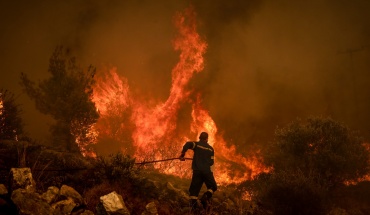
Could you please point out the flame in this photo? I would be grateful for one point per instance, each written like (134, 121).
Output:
(231, 167)
(113, 101)
(154, 130)
(111, 94)
(157, 125)
(1, 105)
(85, 140)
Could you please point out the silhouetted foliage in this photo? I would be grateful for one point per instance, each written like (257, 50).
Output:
(320, 146)
(311, 159)
(67, 96)
(355, 198)
(11, 125)
(289, 193)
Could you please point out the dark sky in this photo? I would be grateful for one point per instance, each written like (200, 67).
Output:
(268, 62)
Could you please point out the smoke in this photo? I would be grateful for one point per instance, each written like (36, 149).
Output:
(288, 59)
(268, 62)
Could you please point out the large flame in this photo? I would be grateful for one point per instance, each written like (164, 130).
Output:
(156, 125)
(154, 130)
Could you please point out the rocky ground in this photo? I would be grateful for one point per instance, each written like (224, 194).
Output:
(39, 180)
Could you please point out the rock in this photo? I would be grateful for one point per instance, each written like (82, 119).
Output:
(87, 212)
(21, 178)
(114, 204)
(67, 192)
(29, 203)
(3, 190)
(51, 194)
(150, 209)
(64, 207)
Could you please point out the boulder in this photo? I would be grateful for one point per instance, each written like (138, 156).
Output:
(67, 192)
(3, 190)
(63, 207)
(51, 194)
(29, 203)
(150, 209)
(113, 204)
(21, 178)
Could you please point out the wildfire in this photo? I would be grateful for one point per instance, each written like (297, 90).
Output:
(154, 130)
(85, 140)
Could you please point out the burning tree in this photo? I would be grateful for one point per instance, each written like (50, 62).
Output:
(11, 125)
(66, 96)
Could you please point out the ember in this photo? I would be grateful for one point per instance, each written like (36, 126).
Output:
(154, 130)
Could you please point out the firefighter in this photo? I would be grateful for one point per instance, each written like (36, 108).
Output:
(202, 166)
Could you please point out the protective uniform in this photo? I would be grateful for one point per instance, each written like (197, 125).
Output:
(202, 164)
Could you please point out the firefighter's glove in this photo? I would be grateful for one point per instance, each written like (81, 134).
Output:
(182, 157)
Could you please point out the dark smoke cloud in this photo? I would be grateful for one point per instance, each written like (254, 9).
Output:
(268, 62)
(280, 60)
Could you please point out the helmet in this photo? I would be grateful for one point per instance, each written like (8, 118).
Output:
(203, 135)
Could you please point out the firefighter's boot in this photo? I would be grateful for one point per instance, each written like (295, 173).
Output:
(206, 200)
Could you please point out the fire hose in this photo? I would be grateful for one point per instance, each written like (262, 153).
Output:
(156, 161)
(78, 169)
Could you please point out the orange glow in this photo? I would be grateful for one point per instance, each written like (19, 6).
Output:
(231, 167)
(84, 141)
(154, 130)
(154, 125)
(366, 177)
(111, 94)
(1, 105)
